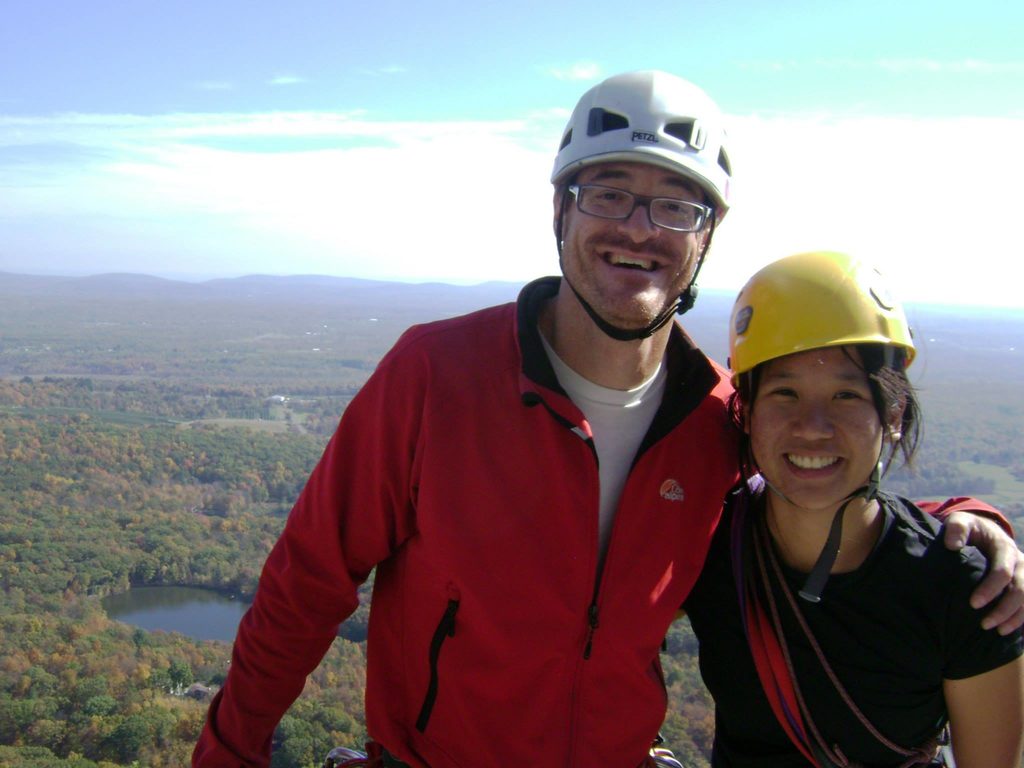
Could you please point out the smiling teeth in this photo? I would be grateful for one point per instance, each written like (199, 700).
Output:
(626, 261)
(812, 462)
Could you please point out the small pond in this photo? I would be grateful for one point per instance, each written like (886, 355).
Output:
(203, 614)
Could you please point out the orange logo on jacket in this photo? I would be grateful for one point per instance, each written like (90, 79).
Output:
(672, 491)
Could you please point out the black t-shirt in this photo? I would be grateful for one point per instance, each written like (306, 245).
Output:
(892, 631)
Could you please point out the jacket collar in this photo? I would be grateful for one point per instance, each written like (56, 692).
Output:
(691, 376)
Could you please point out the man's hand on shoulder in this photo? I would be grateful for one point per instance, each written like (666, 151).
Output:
(1005, 577)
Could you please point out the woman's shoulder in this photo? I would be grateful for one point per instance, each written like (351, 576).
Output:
(914, 535)
(907, 514)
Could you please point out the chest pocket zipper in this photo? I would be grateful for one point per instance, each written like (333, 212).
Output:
(445, 629)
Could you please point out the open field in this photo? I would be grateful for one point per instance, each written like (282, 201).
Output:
(1009, 490)
(112, 417)
(259, 425)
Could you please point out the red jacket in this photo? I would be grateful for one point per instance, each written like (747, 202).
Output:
(468, 478)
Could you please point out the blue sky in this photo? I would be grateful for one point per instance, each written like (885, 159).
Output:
(413, 141)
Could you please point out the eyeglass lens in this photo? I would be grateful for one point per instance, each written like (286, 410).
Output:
(611, 203)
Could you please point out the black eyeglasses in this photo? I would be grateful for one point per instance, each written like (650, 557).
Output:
(667, 212)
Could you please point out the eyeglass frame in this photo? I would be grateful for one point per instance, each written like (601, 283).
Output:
(642, 200)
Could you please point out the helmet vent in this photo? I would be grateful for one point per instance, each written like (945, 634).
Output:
(690, 132)
(681, 131)
(723, 162)
(601, 120)
(566, 140)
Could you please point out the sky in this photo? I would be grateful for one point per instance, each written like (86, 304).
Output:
(414, 141)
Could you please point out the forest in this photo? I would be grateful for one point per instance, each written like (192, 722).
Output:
(101, 504)
(161, 438)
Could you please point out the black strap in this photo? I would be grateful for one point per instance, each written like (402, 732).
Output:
(811, 591)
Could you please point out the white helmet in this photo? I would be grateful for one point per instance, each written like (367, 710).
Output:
(649, 117)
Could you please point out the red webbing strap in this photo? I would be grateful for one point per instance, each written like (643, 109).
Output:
(769, 660)
(775, 680)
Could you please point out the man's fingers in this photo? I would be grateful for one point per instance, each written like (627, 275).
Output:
(1008, 614)
(1004, 579)
(955, 536)
(1001, 569)
(1014, 622)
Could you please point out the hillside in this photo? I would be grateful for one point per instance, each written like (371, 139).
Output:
(156, 432)
(320, 337)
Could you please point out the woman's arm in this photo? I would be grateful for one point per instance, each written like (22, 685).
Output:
(986, 716)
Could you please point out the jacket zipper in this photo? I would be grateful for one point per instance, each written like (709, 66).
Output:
(445, 629)
(593, 617)
(592, 611)
(593, 623)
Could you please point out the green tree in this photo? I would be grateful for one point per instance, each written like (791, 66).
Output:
(180, 675)
(130, 735)
(100, 705)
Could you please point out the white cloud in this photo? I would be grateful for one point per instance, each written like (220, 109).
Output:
(767, 65)
(153, 130)
(582, 70)
(460, 201)
(286, 80)
(890, 64)
(933, 202)
(961, 66)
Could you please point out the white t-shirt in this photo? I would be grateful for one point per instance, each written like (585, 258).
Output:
(618, 419)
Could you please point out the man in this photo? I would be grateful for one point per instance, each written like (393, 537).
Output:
(536, 483)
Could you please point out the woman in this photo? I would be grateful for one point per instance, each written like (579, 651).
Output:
(822, 586)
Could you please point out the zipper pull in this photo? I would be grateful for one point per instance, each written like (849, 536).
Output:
(593, 624)
(448, 622)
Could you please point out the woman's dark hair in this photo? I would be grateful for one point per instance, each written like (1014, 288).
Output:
(891, 390)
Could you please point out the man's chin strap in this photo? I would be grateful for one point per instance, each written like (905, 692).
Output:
(681, 305)
(816, 579)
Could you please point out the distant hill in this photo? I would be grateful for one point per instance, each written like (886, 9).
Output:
(70, 299)
(309, 333)
(953, 341)
(272, 289)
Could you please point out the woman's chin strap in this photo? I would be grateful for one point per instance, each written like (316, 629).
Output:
(815, 584)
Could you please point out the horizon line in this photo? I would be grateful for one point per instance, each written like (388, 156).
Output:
(196, 279)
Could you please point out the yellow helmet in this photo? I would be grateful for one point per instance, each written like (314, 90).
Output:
(809, 301)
